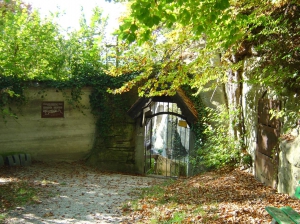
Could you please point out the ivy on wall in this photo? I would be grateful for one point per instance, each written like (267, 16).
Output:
(11, 92)
(214, 147)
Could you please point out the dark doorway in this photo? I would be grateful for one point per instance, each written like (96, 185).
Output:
(267, 151)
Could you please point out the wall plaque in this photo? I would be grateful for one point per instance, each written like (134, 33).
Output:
(52, 109)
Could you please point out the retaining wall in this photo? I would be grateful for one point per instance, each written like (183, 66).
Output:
(66, 138)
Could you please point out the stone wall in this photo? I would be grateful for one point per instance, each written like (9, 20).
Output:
(250, 97)
(289, 156)
(47, 139)
(116, 148)
(289, 166)
(289, 160)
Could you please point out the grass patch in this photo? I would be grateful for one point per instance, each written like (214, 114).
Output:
(16, 194)
(178, 217)
(193, 200)
(157, 190)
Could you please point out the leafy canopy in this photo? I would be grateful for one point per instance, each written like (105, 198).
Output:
(172, 43)
(37, 49)
(33, 48)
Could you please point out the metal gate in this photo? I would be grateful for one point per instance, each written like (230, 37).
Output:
(267, 151)
(167, 141)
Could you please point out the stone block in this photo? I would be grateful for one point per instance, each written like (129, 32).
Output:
(25, 159)
(13, 160)
(116, 156)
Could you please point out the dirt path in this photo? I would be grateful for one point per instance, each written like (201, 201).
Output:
(74, 193)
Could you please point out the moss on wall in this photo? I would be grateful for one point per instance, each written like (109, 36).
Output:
(114, 146)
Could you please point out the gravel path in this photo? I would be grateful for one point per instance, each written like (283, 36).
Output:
(74, 193)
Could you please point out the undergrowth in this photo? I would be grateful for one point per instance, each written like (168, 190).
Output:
(15, 194)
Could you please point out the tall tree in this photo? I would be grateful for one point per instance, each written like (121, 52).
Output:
(185, 42)
(37, 49)
(201, 29)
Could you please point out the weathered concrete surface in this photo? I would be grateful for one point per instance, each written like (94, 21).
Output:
(289, 166)
(214, 98)
(250, 97)
(139, 149)
(116, 150)
(289, 159)
(60, 139)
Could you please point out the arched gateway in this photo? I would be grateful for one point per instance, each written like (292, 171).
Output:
(164, 134)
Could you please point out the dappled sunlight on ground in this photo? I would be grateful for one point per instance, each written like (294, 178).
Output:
(224, 196)
(74, 193)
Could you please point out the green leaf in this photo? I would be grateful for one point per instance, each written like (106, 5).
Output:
(186, 17)
(199, 30)
(180, 2)
(222, 4)
(143, 14)
(171, 17)
(131, 37)
(149, 23)
(125, 25)
(156, 20)
(213, 17)
(133, 28)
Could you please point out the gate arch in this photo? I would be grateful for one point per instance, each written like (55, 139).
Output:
(166, 123)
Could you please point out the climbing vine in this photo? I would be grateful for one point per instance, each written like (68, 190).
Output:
(36, 52)
(214, 147)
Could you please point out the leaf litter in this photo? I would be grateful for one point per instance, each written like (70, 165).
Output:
(72, 193)
(224, 196)
(75, 193)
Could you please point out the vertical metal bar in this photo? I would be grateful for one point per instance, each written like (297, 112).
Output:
(180, 134)
(175, 133)
(189, 149)
(167, 140)
(151, 126)
(185, 148)
(145, 148)
(171, 142)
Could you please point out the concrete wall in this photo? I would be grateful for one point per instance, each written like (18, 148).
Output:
(214, 98)
(289, 166)
(289, 156)
(289, 160)
(63, 139)
(117, 148)
(250, 97)
(139, 148)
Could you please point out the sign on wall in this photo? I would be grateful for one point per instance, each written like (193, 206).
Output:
(52, 109)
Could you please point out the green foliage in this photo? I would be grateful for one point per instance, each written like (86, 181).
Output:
(16, 194)
(110, 109)
(174, 43)
(35, 50)
(220, 148)
(276, 40)
(196, 43)
(11, 92)
(30, 47)
(246, 160)
(198, 128)
(178, 149)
